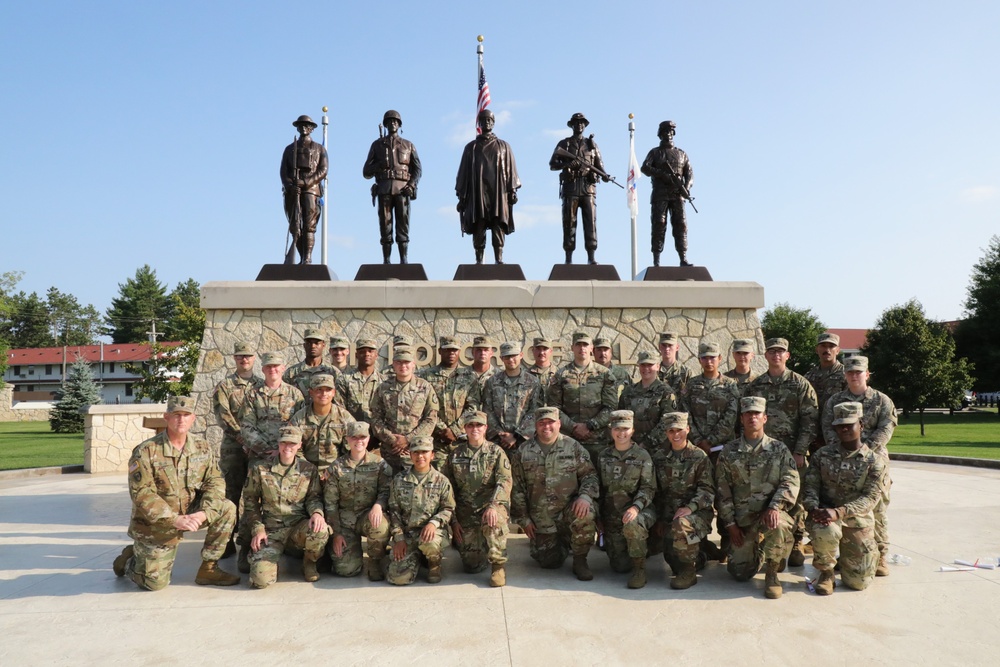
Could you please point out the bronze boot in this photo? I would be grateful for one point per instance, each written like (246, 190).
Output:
(590, 257)
(403, 249)
(581, 569)
(209, 574)
(772, 587)
(569, 256)
(387, 254)
(479, 255)
(638, 578)
(498, 255)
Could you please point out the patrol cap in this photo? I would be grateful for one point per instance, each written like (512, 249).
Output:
(181, 404)
(510, 348)
(709, 350)
(577, 117)
(648, 357)
(402, 340)
(847, 413)
(392, 113)
(339, 343)
(422, 443)
(582, 337)
(622, 419)
(753, 404)
(602, 341)
(675, 420)
(272, 359)
(541, 341)
(365, 342)
(304, 120)
(402, 354)
(668, 338)
(474, 417)
(322, 380)
(291, 434)
(781, 343)
(243, 349)
(742, 345)
(313, 334)
(827, 337)
(547, 412)
(448, 343)
(356, 429)
(857, 363)
(483, 341)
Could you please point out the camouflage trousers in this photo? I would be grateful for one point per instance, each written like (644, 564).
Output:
(798, 512)
(481, 544)
(858, 552)
(623, 542)
(151, 564)
(882, 517)
(351, 560)
(760, 544)
(233, 464)
(296, 540)
(684, 538)
(571, 535)
(403, 572)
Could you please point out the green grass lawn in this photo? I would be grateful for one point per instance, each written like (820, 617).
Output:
(33, 445)
(969, 434)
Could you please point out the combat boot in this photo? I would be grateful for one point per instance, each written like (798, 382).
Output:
(825, 584)
(797, 558)
(119, 565)
(498, 577)
(209, 574)
(375, 572)
(387, 254)
(403, 248)
(433, 569)
(243, 561)
(883, 567)
(638, 578)
(684, 259)
(656, 259)
(569, 256)
(772, 587)
(498, 255)
(685, 577)
(309, 571)
(590, 257)
(479, 255)
(581, 569)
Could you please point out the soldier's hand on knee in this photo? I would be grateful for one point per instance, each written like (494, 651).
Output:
(339, 543)
(317, 523)
(428, 533)
(490, 517)
(682, 512)
(630, 514)
(770, 518)
(399, 550)
(580, 508)
(735, 535)
(257, 541)
(375, 515)
(456, 531)
(529, 530)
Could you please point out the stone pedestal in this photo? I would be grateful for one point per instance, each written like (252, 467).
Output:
(489, 272)
(295, 272)
(584, 272)
(675, 273)
(391, 272)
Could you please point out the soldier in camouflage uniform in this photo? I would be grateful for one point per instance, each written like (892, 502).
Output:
(619, 374)
(175, 486)
(403, 407)
(792, 418)
(480, 476)
(585, 394)
(457, 390)
(685, 491)
(356, 496)
(284, 509)
(340, 355)
(841, 488)
(300, 374)
(322, 422)
(356, 387)
(421, 504)
(510, 399)
(827, 379)
(555, 490)
(878, 422)
(542, 368)
(229, 401)
(482, 359)
(742, 357)
(712, 402)
(650, 399)
(672, 372)
(627, 490)
(756, 486)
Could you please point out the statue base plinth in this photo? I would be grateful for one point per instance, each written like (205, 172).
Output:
(391, 272)
(489, 272)
(675, 273)
(584, 272)
(296, 272)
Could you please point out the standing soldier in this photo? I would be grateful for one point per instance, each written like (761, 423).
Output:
(649, 399)
(672, 371)
(303, 168)
(284, 509)
(356, 496)
(421, 504)
(742, 357)
(323, 423)
(542, 368)
(229, 401)
(457, 390)
(671, 175)
(580, 163)
(300, 374)
(403, 407)
(340, 354)
(555, 488)
(627, 490)
(712, 403)
(827, 379)
(480, 476)
(756, 487)
(510, 399)
(619, 374)
(356, 387)
(393, 163)
(482, 360)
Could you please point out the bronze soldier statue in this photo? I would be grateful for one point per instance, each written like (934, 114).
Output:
(303, 168)
(670, 171)
(581, 165)
(487, 186)
(393, 163)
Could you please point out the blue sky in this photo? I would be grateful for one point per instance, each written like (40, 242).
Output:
(845, 154)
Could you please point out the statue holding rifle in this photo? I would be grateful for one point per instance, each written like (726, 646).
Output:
(393, 163)
(303, 168)
(670, 171)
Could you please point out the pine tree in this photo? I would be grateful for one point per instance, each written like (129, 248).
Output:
(140, 301)
(978, 334)
(799, 327)
(80, 391)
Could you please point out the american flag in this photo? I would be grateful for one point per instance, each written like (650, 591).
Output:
(484, 93)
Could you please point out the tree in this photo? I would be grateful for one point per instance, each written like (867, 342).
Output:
(27, 322)
(978, 335)
(800, 327)
(69, 322)
(187, 319)
(913, 360)
(8, 281)
(141, 301)
(79, 391)
(169, 372)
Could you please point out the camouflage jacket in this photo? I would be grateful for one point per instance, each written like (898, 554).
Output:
(649, 404)
(585, 395)
(409, 409)
(742, 379)
(480, 477)
(457, 390)
(300, 375)
(481, 378)
(352, 489)
(416, 500)
(279, 496)
(229, 402)
(355, 391)
(751, 477)
(712, 405)
(268, 411)
(675, 375)
(792, 410)
(544, 376)
(548, 479)
(847, 481)
(877, 423)
(621, 378)
(510, 402)
(683, 479)
(323, 438)
(626, 480)
(826, 383)
(165, 483)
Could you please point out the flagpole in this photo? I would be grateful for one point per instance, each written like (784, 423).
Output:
(479, 76)
(326, 189)
(632, 193)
